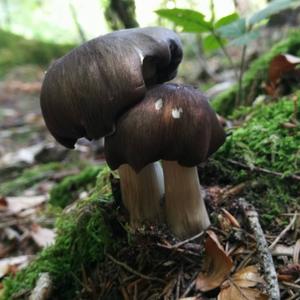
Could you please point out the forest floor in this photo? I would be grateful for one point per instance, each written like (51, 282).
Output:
(230, 260)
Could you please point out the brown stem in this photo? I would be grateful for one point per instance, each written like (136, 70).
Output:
(184, 208)
(142, 193)
(224, 49)
(239, 96)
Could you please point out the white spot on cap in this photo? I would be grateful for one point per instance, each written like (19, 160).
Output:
(177, 112)
(140, 54)
(158, 104)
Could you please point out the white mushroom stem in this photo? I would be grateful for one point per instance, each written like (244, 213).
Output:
(184, 207)
(142, 193)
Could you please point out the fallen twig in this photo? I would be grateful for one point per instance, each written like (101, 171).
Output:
(282, 234)
(262, 170)
(191, 285)
(187, 240)
(129, 269)
(263, 250)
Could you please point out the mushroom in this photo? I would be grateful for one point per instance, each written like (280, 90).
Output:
(88, 89)
(174, 123)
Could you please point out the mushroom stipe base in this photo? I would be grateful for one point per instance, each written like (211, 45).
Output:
(184, 204)
(142, 193)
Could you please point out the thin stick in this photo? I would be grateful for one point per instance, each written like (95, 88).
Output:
(239, 95)
(292, 285)
(282, 234)
(178, 283)
(129, 269)
(262, 170)
(191, 285)
(263, 250)
(187, 240)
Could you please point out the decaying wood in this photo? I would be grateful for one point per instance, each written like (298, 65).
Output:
(263, 250)
(43, 288)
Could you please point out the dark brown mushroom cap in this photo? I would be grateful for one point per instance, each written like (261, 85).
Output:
(85, 91)
(173, 122)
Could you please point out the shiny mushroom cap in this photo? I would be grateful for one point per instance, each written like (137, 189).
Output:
(173, 122)
(85, 91)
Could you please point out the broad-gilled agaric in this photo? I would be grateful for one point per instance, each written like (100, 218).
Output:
(175, 124)
(85, 91)
(88, 89)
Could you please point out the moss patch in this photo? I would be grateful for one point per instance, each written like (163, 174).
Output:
(262, 141)
(256, 75)
(70, 187)
(16, 50)
(82, 239)
(28, 178)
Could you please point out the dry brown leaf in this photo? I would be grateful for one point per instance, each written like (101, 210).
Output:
(228, 219)
(43, 237)
(289, 273)
(217, 265)
(241, 286)
(247, 277)
(3, 203)
(233, 292)
(280, 65)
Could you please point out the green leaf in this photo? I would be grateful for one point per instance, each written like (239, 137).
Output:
(233, 30)
(189, 20)
(210, 43)
(245, 38)
(226, 20)
(272, 8)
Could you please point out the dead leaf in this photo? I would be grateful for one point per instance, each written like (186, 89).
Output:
(228, 220)
(280, 66)
(217, 265)
(43, 237)
(3, 203)
(12, 264)
(233, 292)
(16, 205)
(247, 277)
(241, 286)
(289, 273)
(23, 155)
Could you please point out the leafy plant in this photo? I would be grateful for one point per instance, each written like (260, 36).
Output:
(231, 29)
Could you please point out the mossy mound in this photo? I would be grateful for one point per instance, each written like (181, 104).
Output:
(16, 50)
(266, 142)
(70, 187)
(264, 139)
(257, 73)
(28, 178)
(82, 239)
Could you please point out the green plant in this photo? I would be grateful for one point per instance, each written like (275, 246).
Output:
(231, 29)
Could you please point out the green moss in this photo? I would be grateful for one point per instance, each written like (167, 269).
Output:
(16, 50)
(256, 75)
(70, 187)
(104, 181)
(28, 178)
(262, 141)
(82, 239)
